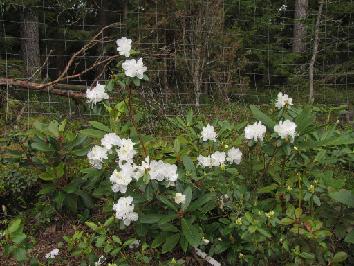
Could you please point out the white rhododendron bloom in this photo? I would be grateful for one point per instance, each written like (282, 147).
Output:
(255, 131)
(283, 100)
(109, 140)
(234, 156)
(135, 244)
(124, 209)
(96, 94)
(163, 171)
(121, 179)
(124, 46)
(140, 170)
(134, 68)
(126, 151)
(96, 156)
(286, 129)
(180, 198)
(218, 158)
(204, 161)
(52, 254)
(208, 133)
(206, 257)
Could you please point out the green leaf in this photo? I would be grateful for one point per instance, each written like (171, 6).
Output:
(149, 218)
(20, 254)
(188, 193)
(267, 189)
(167, 202)
(188, 164)
(265, 119)
(41, 146)
(18, 237)
(340, 257)
(168, 228)
(350, 237)
(170, 243)
(287, 221)
(306, 255)
(14, 226)
(93, 133)
(158, 241)
(191, 233)
(53, 128)
(91, 225)
(201, 201)
(343, 196)
(100, 126)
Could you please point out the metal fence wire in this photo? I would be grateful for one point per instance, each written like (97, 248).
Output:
(197, 52)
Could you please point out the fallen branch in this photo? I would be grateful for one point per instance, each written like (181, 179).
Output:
(72, 91)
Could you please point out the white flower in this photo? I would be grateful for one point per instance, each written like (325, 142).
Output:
(255, 131)
(109, 140)
(204, 161)
(208, 133)
(96, 94)
(134, 68)
(121, 179)
(124, 209)
(52, 254)
(283, 100)
(96, 156)
(206, 257)
(218, 158)
(124, 46)
(135, 244)
(163, 171)
(283, 8)
(126, 151)
(286, 129)
(234, 156)
(140, 170)
(100, 261)
(180, 198)
(205, 241)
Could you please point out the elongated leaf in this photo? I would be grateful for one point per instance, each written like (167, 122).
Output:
(170, 243)
(93, 133)
(343, 196)
(100, 126)
(188, 193)
(191, 233)
(265, 119)
(149, 218)
(201, 201)
(267, 189)
(41, 146)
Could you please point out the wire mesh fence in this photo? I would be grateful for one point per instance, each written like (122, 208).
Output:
(197, 52)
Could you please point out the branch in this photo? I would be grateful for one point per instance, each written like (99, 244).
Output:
(56, 89)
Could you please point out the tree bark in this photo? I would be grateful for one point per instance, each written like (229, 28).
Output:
(301, 10)
(315, 51)
(30, 44)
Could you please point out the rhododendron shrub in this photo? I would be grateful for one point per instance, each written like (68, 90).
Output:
(231, 193)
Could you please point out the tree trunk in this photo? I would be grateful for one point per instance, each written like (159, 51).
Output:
(101, 48)
(314, 53)
(301, 9)
(30, 44)
(125, 11)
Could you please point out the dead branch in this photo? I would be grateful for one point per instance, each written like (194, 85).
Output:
(55, 87)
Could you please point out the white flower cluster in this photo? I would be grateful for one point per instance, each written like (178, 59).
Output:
(163, 171)
(218, 158)
(124, 209)
(52, 254)
(96, 156)
(134, 68)
(96, 94)
(206, 257)
(283, 100)
(208, 133)
(128, 171)
(283, 8)
(255, 131)
(124, 46)
(286, 129)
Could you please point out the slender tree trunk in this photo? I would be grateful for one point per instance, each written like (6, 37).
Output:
(301, 10)
(30, 43)
(101, 48)
(315, 51)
